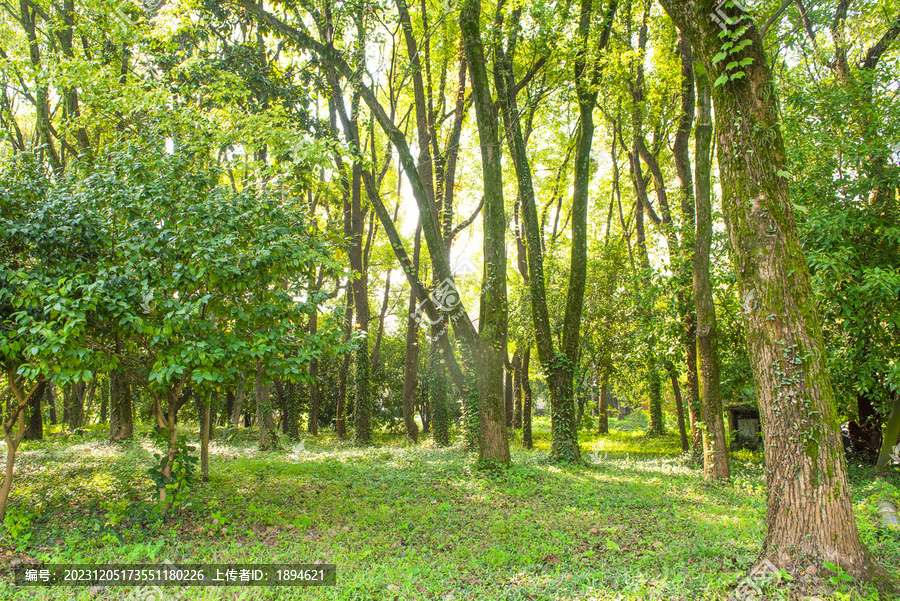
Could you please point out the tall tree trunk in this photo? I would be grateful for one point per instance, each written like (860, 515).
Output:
(51, 398)
(362, 407)
(679, 407)
(603, 426)
(809, 516)
(315, 392)
(654, 385)
(121, 415)
(340, 420)
(206, 424)
(526, 402)
(67, 401)
(891, 433)
(685, 255)
(438, 391)
(411, 365)
(264, 421)
(288, 414)
(35, 428)
(76, 406)
(237, 409)
(104, 401)
(493, 446)
(715, 452)
(510, 398)
(517, 389)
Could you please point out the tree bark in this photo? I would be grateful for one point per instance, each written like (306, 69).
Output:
(237, 409)
(517, 389)
(411, 365)
(603, 426)
(340, 420)
(809, 516)
(315, 393)
(121, 415)
(104, 402)
(287, 415)
(489, 353)
(891, 433)
(76, 405)
(35, 428)
(679, 407)
(438, 391)
(715, 452)
(362, 405)
(264, 421)
(526, 402)
(204, 440)
(51, 398)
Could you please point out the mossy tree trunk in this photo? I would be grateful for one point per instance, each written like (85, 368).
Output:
(526, 402)
(489, 352)
(715, 452)
(558, 364)
(809, 516)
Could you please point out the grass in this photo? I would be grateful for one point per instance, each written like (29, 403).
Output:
(403, 522)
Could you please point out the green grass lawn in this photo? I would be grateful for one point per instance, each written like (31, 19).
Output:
(403, 522)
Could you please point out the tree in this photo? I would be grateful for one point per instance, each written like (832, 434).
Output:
(809, 517)
(482, 345)
(559, 367)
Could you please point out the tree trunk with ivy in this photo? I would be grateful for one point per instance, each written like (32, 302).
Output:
(489, 351)
(809, 515)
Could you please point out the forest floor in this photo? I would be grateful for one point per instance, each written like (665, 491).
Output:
(402, 522)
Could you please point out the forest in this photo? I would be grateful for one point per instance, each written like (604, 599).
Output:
(452, 299)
